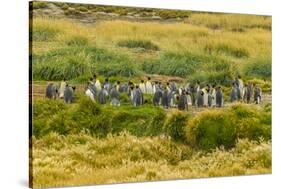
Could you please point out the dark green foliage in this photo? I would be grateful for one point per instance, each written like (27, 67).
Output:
(260, 68)
(175, 126)
(147, 45)
(217, 128)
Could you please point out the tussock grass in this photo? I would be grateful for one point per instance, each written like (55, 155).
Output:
(185, 48)
(147, 45)
(211, 129)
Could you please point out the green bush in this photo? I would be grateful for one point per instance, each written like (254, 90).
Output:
(211, 129)
(147, 45)
(175, 126)
(139, 121)
(86, 105)
(251, 122)
(44, 111)
(47, 107)
(89, 117)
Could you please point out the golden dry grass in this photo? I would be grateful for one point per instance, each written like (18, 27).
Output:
(81, 160)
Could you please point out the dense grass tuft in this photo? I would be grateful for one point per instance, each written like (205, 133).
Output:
(99, 121)
(211, 129)
(77, 40)
(259, 68)
(147, 45)
(176, 124)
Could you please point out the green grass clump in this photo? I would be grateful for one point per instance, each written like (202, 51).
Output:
(227, 49)
(139, 121)
(173, 64)
(207, 68)
(147, 45)
(211, 129)
(252, 123)
(44, 33)
(126, 68)
(78, 61)
(259, 68)
(77, 40)
(87, 116)
(58, 67)
(175, 126)
(44, 110)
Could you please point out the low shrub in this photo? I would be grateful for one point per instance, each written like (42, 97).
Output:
(175, 126)
(47, 107)
(139, 121)
(87, 116)
(211, 129)
(251, 122)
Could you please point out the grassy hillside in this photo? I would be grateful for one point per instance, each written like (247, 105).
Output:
(192, 48)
